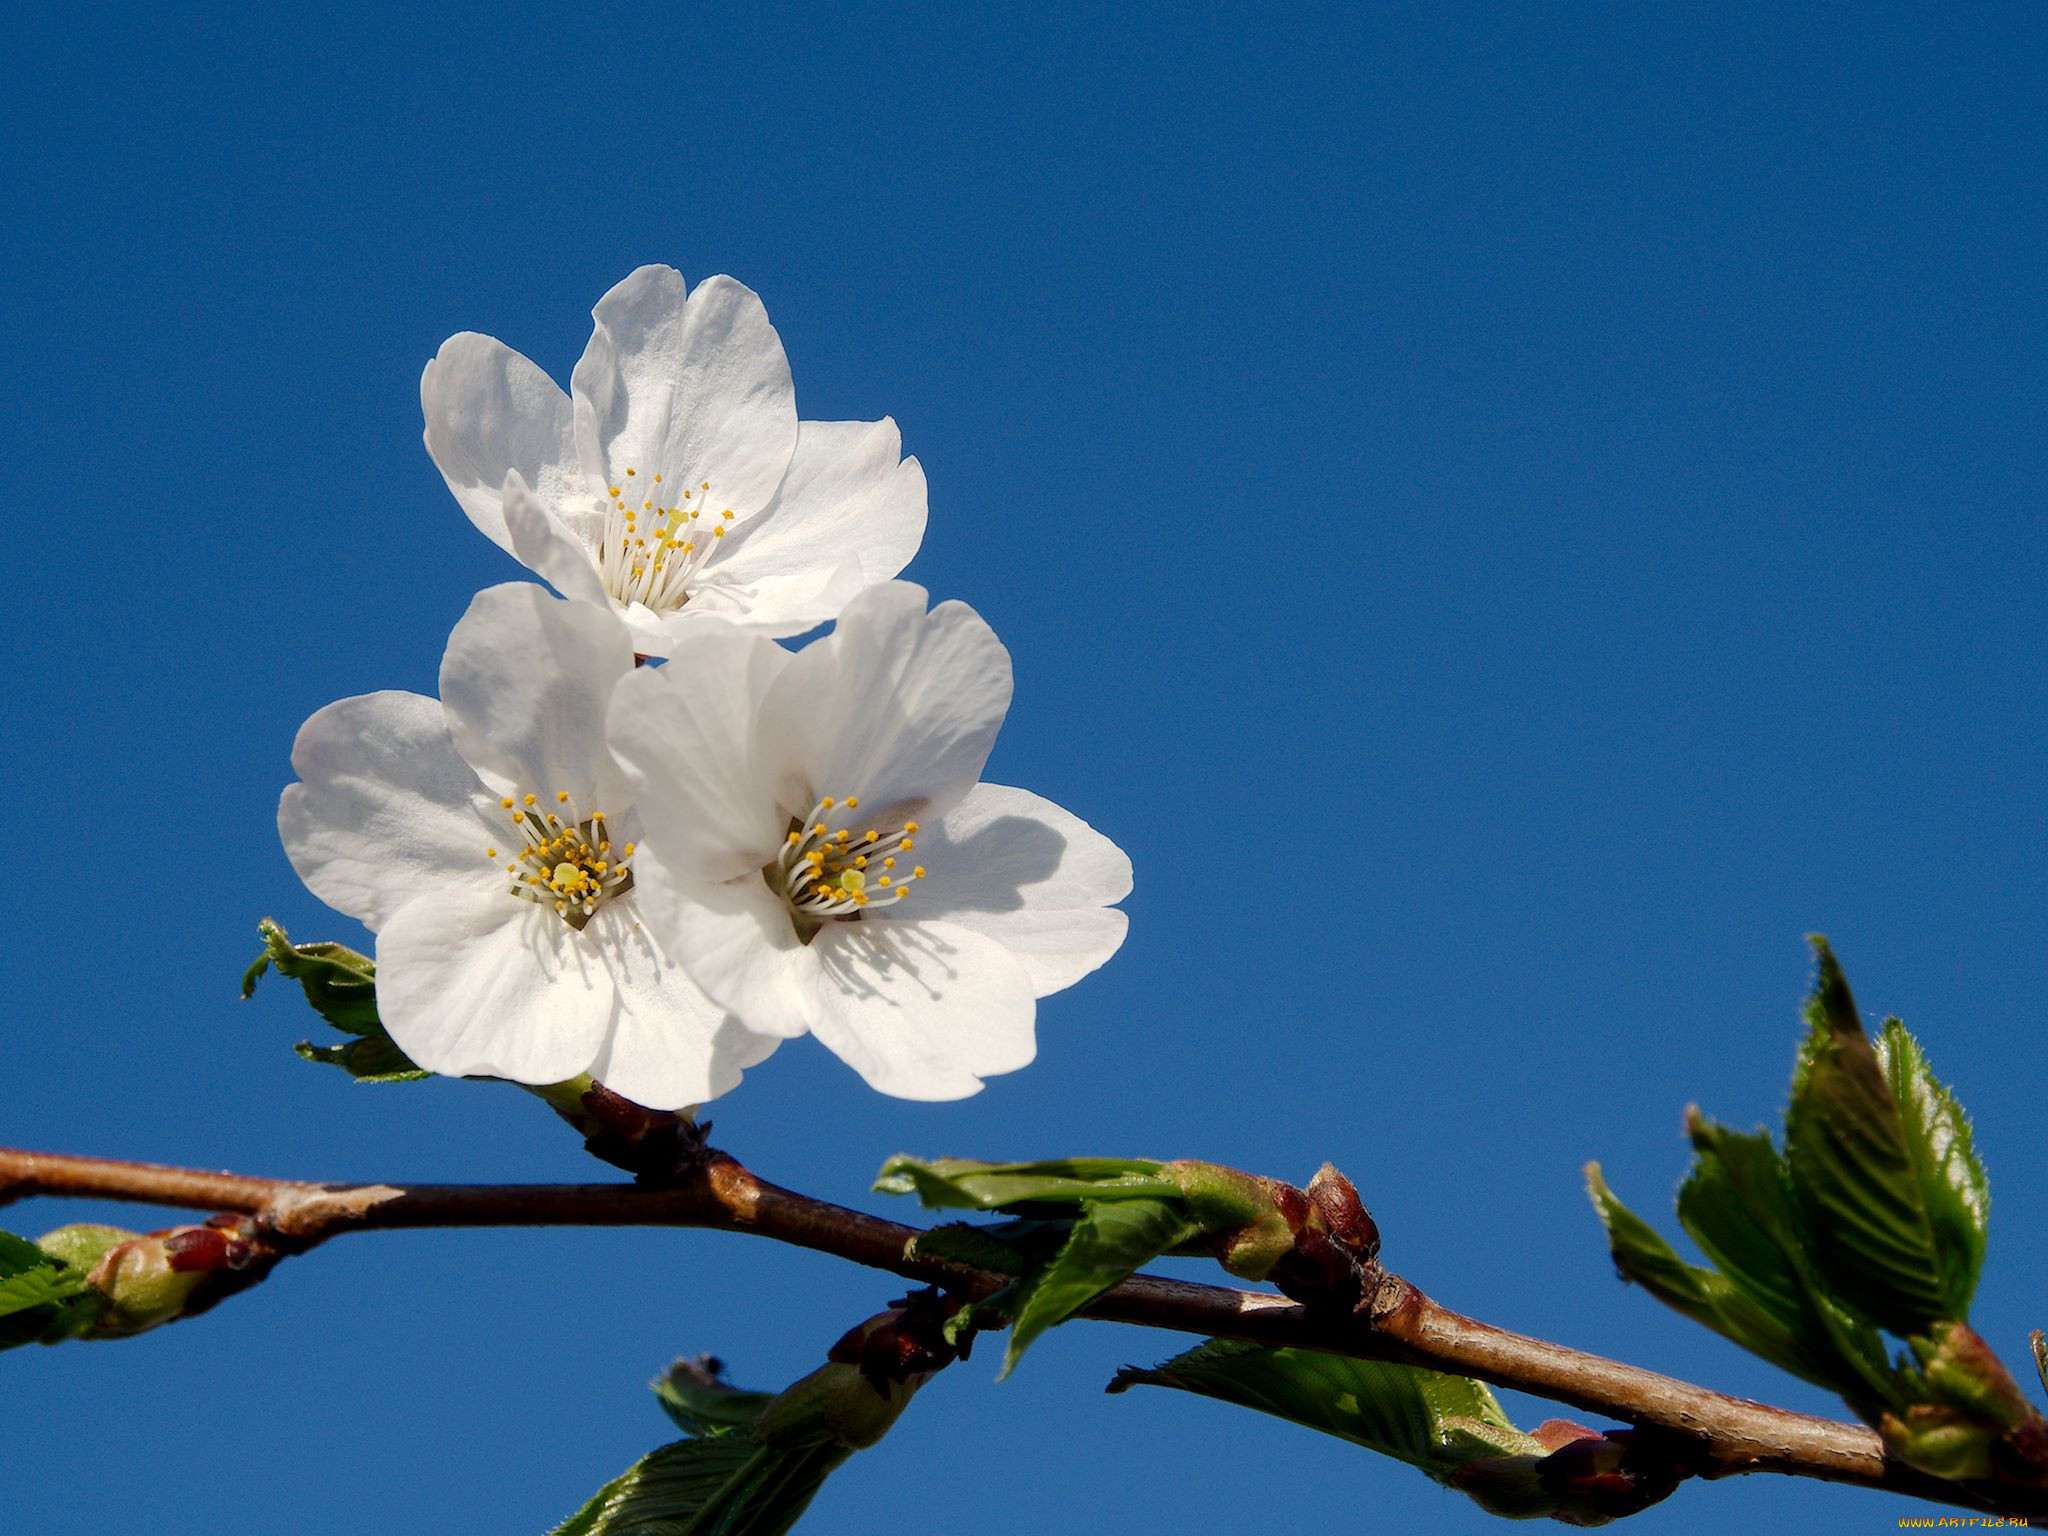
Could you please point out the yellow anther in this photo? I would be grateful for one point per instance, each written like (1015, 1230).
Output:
(629, 850)
(818, 830)
(888, 863)
(615, 490)
(703, 485)
(726, 513)
(657, 479)
(490, 853)
(907, 845)
(871, 836)
(686, 495)
(531, 800)
(917, 873)
(826, 802)
(885, 880)
(506, 802)
(853, 802)
(860, 861)
(795, 838)
(561, 797)
(909, 826)
(632, 471)
(718, 532)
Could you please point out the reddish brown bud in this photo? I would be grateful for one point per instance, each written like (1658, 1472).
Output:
(1343, 1214)
(196, 1249)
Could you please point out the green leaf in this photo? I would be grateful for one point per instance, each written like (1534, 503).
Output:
(691, 1393)
(1107, 1245)
(19, 1256)
(371, 1059)
(1736, 1204)
(1427, 1419)
(43, 1300)
(341, 985)
(1025, 1188)
(40, 1287)
(724, 1485)
(1856, 1178)
(1952, 1182)
(1705, 1296)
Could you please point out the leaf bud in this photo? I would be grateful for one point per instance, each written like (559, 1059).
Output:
(868, 1379)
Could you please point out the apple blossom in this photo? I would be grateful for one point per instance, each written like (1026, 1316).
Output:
(488, 840)
(674, 481)
(828, 859)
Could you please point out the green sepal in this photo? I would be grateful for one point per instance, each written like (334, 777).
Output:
(341, 986)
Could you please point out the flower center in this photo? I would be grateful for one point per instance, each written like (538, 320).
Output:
(833, 865)
(566, 863)
(650, 553)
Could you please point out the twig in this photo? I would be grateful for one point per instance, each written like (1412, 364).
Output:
(1726, 1435)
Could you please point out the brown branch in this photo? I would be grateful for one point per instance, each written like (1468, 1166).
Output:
(1723, 1436)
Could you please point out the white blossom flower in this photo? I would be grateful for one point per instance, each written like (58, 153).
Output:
(829, 861)
(674, 481)
(488, 839)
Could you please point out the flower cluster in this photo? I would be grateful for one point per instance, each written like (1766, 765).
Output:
(577, 862)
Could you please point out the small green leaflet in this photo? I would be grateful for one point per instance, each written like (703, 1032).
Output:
(342, 987)
(1121, 1214)
(1025, 1188)
(1109, 1243)
(722, 1480)
(1429, 1420)
(1853, 1176)
(1871, 1221)
(727, 1485)
(42, 1299)
(691, 1393)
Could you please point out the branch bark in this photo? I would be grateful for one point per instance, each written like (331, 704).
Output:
(1726, 1436)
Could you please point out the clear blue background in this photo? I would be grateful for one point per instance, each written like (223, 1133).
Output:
(1512, 519)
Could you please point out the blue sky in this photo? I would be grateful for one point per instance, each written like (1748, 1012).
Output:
(1511, 518)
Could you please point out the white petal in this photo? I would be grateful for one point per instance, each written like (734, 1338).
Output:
(849, 498)
(544, 543)
(735, 940)
(670, 1045)
(921, 1010)
(490, 411)
(1034, 877)
(896, 705)
(526, 681)
(686, 737)
(387, 807)
(772, 606)
(692, 389)
(478, 983)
